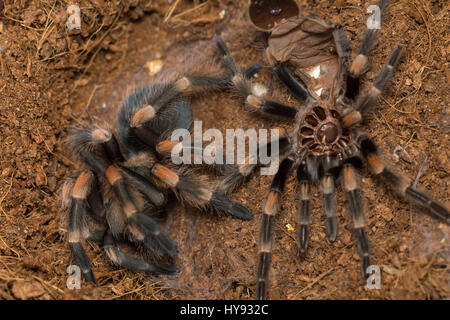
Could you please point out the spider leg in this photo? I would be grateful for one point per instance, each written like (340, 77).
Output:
(236, 175)
(266, 236)
(355, 210)
(402, 185)
(78, 228)
(359, 65)
(253, 94)
(251, 71)
(295, 86)
(343, 52)
(304, 210)
(140, 227)
(145, 186)
(199, 194)
(365, 104)
(93, 146)
(135, 264)
(329, 171)
(140, 125)
(194, 84)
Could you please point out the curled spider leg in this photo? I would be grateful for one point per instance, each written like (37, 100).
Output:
(367, 101)
(140, 126)
(355, 210)
(304, 210)
(253, 93)
(268, 219)
(92, 146)
(140, 227)
(187, 85)
(145, 186)
(133, 263)
(359, 64)
(401, 184)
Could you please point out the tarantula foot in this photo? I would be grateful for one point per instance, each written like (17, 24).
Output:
(303, 239)
(82, 261)
(135, 264)
(146, 230)
(331, 226)
(365, 264)
(221, 203)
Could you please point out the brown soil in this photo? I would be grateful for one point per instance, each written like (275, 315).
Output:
(52, 78)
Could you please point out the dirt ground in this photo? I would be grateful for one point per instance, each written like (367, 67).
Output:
(52, 78)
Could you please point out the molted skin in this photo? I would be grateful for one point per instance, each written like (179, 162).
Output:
(308, 45)
(266, 14)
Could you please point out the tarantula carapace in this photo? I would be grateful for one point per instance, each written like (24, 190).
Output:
(327, 144)
(121, 193)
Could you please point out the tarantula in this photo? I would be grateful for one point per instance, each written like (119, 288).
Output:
(122, 191)
(327, 145)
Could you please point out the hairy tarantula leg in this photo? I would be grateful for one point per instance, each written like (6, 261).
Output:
(142, 228)
(135, 264)
(253, 93)
(146, 231)
(144, 186)
(371, 97)
(355, 210)
(344, 54)
(329, 170)
(304, 210)
(251, 71)
(187, 85)
(359, 65)
(168, 147)
(221, 203)
(200, 195)
(83, 141)
(295, 86)
(235, 175)
(227, 58)
(329, 203)
(95, 200)
(401, 184)
(268, 220)
(78, 229)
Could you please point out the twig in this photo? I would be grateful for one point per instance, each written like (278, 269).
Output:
(309, 286)
(170, 11)
(4, 196)
(423, 167)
